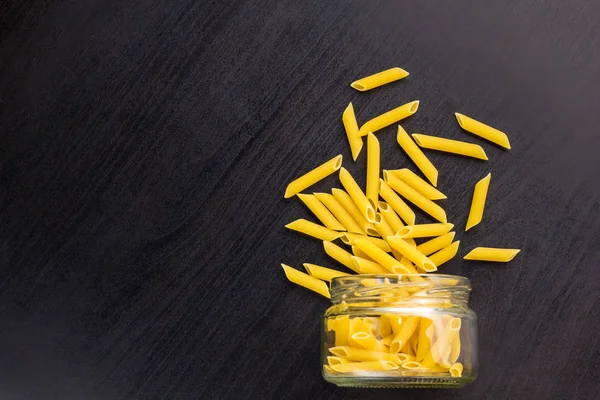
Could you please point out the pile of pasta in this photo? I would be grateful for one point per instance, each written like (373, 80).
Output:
(378, 226)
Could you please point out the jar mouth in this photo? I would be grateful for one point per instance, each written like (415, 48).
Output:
(394, 288)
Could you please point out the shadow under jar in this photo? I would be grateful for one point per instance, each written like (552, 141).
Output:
(400, 331)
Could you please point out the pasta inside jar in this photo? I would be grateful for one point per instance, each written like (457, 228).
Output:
(400, 331)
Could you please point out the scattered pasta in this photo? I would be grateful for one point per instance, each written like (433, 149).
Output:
(492, 254)
(417, 156)
(389, 118)
(379, 79)
(314, 176)
(482, 130)
(351, 127)
(450, 146)
(478, 203)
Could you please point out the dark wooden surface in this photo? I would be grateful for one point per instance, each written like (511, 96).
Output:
(144, 151)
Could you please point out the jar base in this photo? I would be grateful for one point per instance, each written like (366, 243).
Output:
(406, 382)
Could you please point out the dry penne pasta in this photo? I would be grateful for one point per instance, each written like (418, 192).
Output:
(379, 79)
(365, 366)
(390, 216)
(336, 360)
(321, 212)
(456, 370)
(340, 212)
(445, 254)
(478, 202)
(325, 274)
(426, 331)
(389, 118)
(346, 201)
(340, 255)
(359, 253)
(409, 325)
(482, 130)
(382, 226)
(366, 266)
(356, 354)
(342, 329)
(307, 281)
(366, 207)
(350, 238)
(492, 254)
(314, 176)
(435, 244)
(314, 230)
(366, 341)
(441, 349)
(373, 168)
(351, 127)
(397, 204)
(417, 199)
(424, 230)
(450, 146)
(417, 156)
(378, 255)
(415, 181)
(410, 252)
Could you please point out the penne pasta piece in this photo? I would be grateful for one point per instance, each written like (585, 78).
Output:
(492, 254)
(478, 202)
(482, 130)
(397, 204)
(407, 349)
(396, 324)
(417, 199)
(409, 325)
(366, 207)
(350, 238)
(411, 253)
(307, 281)
(367, 366)
(456, 370)
(424, 230)
(314, 230)
(351, 128)
(366, 341)
(373, 168)
(356, 354)
(388, 340)
(389, 118)
(390, 216)
(385, 327)
(379, 79)
(416, 182)
(450, 146)
(321, 212)
(378, 255)
(455, 350)
(445, 254)
(426, 331)
(342, 329)
(346, 201)
(417, 156)
(314, 176)
(435, 244)
(340, 255)
(322, 273)
(361, 254)
(441, 349)
(340, 212)
(328, 369)
(414, 341)
(382, 226)
(366, 266)
(336, 360)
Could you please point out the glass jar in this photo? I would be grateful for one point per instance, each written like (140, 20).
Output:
(400, 331)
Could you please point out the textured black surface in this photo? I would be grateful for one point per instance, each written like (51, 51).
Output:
(144, 151)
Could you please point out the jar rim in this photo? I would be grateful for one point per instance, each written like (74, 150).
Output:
(442, 278)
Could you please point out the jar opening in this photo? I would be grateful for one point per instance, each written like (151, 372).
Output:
(400, 288)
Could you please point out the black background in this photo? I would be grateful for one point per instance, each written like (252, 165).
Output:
(144, 152)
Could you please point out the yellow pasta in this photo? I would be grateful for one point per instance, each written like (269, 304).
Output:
(373, 168)
(367, 366)
(417, 199)
(314, 230)
(336, 360)
(340, 255)
(378, 255)
(307, 281)
(417, 156)
(314, 176)
(359, 253)
(455, 350)
(379, 79)
(366, 341)
(478, 203)
(390, 216)
(416, 182)
(426, 331)
(356, 354)
(346, 201)
(450, 146)
(342, 329)
(325, 274)
(435, 244)
(440, 351)
(396, 324)
(492, 254)
(409, 325)
(351, 127)
(456, 370)
(365, 266)
(445, 254)
(388, 340)
(340, 212)
(411, 253)
(366, 207)
(482, 130)
(424, 230)
(321, 212)
(397, 204)
(385, 326)
(403, 357)
(389, 118)
(382, 226)
(350, 238)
